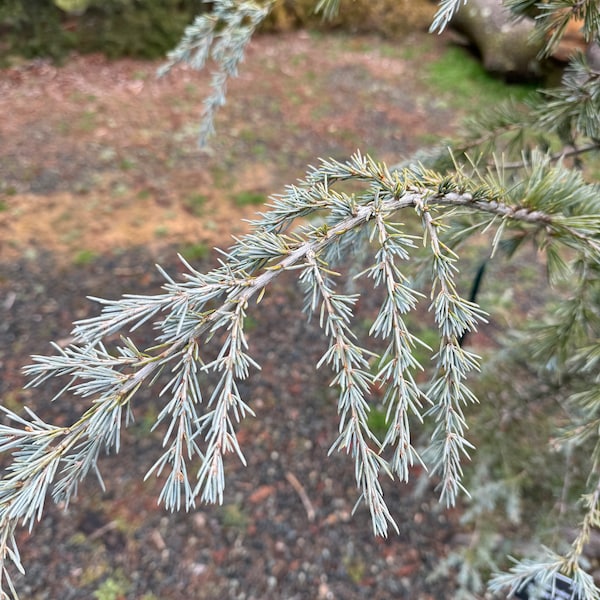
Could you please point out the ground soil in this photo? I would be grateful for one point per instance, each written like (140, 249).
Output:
(101, 178)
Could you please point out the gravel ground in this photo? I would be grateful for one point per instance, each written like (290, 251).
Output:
(285, 529)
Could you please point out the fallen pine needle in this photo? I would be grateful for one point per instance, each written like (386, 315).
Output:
(310, 511)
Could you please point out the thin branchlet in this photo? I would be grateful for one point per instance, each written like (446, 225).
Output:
(221, 35)
(353, 379)
(403, 396)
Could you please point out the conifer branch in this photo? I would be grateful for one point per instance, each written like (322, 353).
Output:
(208, 309)
(199, 321)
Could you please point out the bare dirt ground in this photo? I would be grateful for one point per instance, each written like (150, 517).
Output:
(100, 178)
(102, 156)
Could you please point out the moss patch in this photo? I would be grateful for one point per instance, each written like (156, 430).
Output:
(462, 81)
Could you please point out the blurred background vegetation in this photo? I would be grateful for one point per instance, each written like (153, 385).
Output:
(140, 28)
(149, 28)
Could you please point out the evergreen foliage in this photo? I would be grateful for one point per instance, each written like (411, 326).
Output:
(518, 177)
(140, 28)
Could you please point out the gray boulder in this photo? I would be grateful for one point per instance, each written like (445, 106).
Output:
(505, 44)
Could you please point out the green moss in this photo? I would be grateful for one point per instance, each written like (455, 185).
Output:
(234, 517)
(87, 121)
(113, 588)
(195, 204)
(84, 257)
(94, 571)
(356, 568)
(127, 164)
(161, 231)
(249, 199)
(195, 252)
(462, 80)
